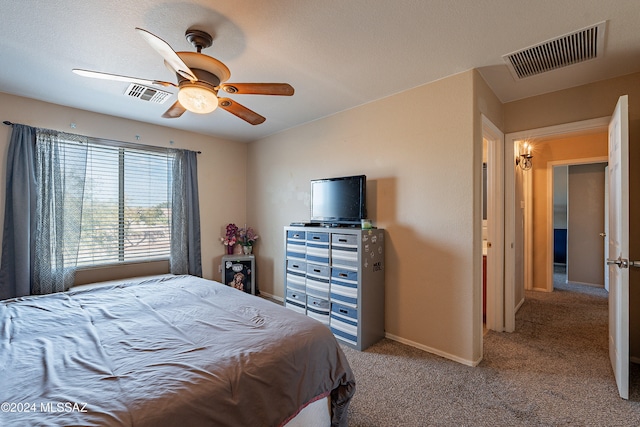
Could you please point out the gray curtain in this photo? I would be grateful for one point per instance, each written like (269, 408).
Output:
(19, 214)
(185, 215)
(61, 161)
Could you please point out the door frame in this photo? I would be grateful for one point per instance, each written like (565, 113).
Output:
(495, 225)
(550, 165)
(511, 141)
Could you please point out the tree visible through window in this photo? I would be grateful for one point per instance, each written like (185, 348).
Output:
(126, 212)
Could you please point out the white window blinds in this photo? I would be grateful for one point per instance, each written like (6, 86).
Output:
(126, 214)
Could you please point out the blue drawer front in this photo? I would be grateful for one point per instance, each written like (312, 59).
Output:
(344, 276)
(344, 258)
(344, 286)
(318, 279)
(296, 275)
(318, 247)
(319, 237)
(296, 296)
(344, 323)
(346, 314)
(344, 250)
(296, 235)
(296, 300)
(345, 240)
(319, 309)
(296, 250)
(296, 244)
(296, 267)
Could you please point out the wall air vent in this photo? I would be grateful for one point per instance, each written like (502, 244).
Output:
(573, 48)
(146, 93)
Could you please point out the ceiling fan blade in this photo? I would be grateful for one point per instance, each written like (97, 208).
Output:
(119, 78)
(282, 89)
(169, 55)
(241, 111)
(175, 111)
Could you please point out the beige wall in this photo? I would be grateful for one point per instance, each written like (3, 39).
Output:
(572, 105)
(422, 153)
(222, 199)
(546, 151)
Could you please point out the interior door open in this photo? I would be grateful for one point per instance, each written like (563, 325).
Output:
(618, 264)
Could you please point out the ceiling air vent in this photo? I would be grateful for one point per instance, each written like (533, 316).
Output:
(147, 93)
(573, 48)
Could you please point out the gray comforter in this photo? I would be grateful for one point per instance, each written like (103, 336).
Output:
(177, 350)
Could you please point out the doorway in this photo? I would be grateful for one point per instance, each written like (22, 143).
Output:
(578, 222)
(520, 213)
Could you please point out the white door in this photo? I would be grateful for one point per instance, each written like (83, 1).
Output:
(619, 245)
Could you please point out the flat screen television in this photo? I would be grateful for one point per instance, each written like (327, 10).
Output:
(339, 201)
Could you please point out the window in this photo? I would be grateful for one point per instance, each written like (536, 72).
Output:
(102, 202)
(126, 206)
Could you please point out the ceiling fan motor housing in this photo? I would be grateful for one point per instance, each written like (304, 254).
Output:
(205, 79)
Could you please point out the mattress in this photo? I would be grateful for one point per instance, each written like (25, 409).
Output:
(173, 350)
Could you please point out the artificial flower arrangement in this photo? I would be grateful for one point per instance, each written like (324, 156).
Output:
(247, 236)
(231, 235)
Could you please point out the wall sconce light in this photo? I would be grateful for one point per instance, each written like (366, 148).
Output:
(523, 159)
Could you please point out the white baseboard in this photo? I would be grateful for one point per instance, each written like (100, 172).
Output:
(541, 290)
(275, 297)
(432, 350)
(519, 305)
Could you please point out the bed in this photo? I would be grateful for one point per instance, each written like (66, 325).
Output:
(171, 350)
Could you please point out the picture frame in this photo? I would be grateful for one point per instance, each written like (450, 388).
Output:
(238, 271)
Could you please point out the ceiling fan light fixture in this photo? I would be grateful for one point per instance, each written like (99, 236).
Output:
(197, 99)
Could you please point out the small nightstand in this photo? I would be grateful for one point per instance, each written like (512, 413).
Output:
(238, 271)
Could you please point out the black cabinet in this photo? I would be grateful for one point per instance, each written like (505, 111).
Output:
(238, 271)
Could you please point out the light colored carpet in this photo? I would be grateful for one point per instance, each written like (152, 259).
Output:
(553, 371)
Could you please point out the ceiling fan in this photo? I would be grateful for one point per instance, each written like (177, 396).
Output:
(200, 78)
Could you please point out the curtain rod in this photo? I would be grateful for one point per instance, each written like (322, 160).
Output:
(8, 123)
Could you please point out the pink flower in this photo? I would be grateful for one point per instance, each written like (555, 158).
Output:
(247, 236)
(230, 237)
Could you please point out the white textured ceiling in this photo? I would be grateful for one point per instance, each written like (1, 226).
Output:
(337, 54)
